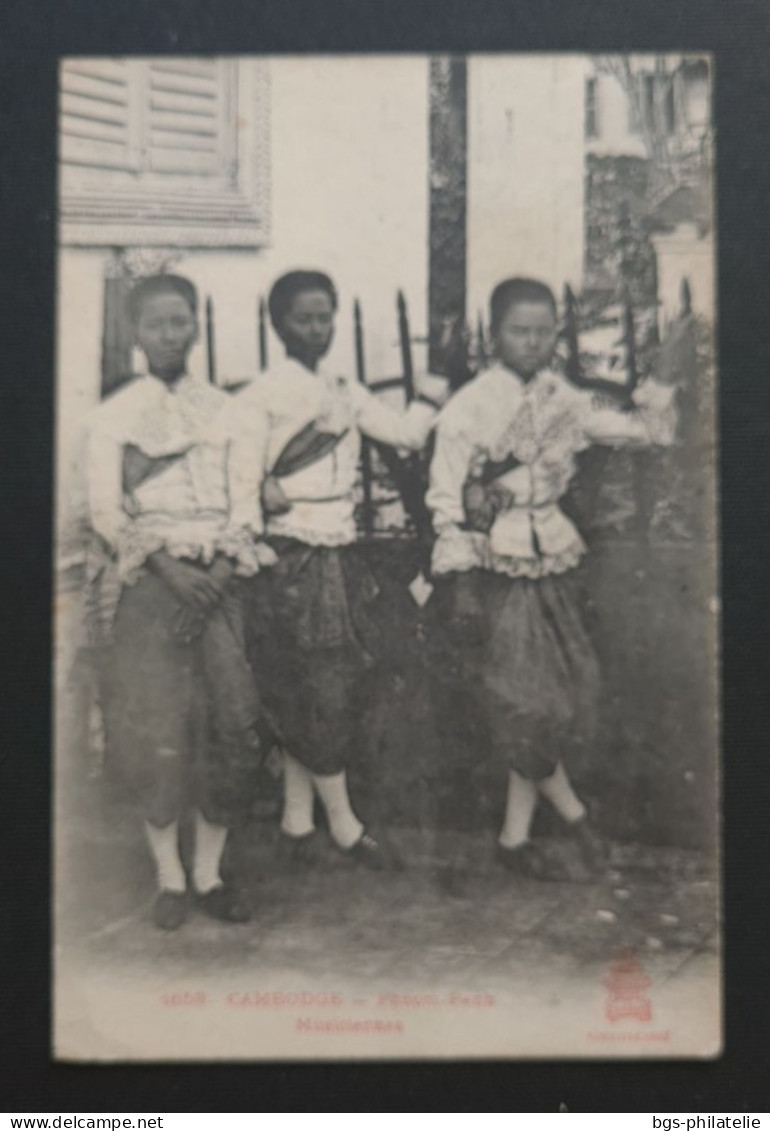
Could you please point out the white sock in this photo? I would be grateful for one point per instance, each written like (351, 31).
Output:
(519, 810)
(209, 846)
(298, 796)
(344, 824)
(165, 852)
(562, 796)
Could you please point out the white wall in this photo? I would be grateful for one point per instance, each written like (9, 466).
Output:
(526, 155)
(350, 196)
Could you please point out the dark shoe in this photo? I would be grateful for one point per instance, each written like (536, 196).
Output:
(592, 849)
(169, 910)
(528, 861)
(300, 852)
(374, 853)
(226, 903)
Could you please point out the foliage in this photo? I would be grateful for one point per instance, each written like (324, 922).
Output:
(618, 248)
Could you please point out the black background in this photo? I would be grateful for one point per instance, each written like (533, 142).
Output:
(32, 34)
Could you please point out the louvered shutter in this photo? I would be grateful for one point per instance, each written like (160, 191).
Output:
(163, 150)
(96, 114)
(188, 117)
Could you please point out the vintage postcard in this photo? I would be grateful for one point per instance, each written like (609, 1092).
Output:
(386, 606)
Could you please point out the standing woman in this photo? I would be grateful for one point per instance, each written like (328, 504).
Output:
(167, 564)
(505, 454)
(315, 633)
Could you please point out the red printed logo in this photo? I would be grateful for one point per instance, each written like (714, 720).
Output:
(627, 983)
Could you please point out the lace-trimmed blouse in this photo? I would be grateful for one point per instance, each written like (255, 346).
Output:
(543, 424)
(182, 500)
(275, 407)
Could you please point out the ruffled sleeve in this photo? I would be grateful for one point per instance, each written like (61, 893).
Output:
(137, 542)
(246, 549)
(457, 549)
(247, 424)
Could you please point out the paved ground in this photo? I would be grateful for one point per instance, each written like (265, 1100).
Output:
(404, 926)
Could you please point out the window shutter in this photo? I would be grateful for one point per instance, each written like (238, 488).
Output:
(164, 150)
(189, 113)
(96, 114)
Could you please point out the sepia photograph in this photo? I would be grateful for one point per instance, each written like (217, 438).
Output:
(386, 606)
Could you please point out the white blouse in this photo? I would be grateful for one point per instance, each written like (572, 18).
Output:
(184, 506)
(543, 424)
(274, 408)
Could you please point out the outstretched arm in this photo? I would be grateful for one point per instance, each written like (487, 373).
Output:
(652, 421)
(409, 429)
(247, 425)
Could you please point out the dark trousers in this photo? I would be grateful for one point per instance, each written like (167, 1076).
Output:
(182, 720)
(314, 644)
(532, 676)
